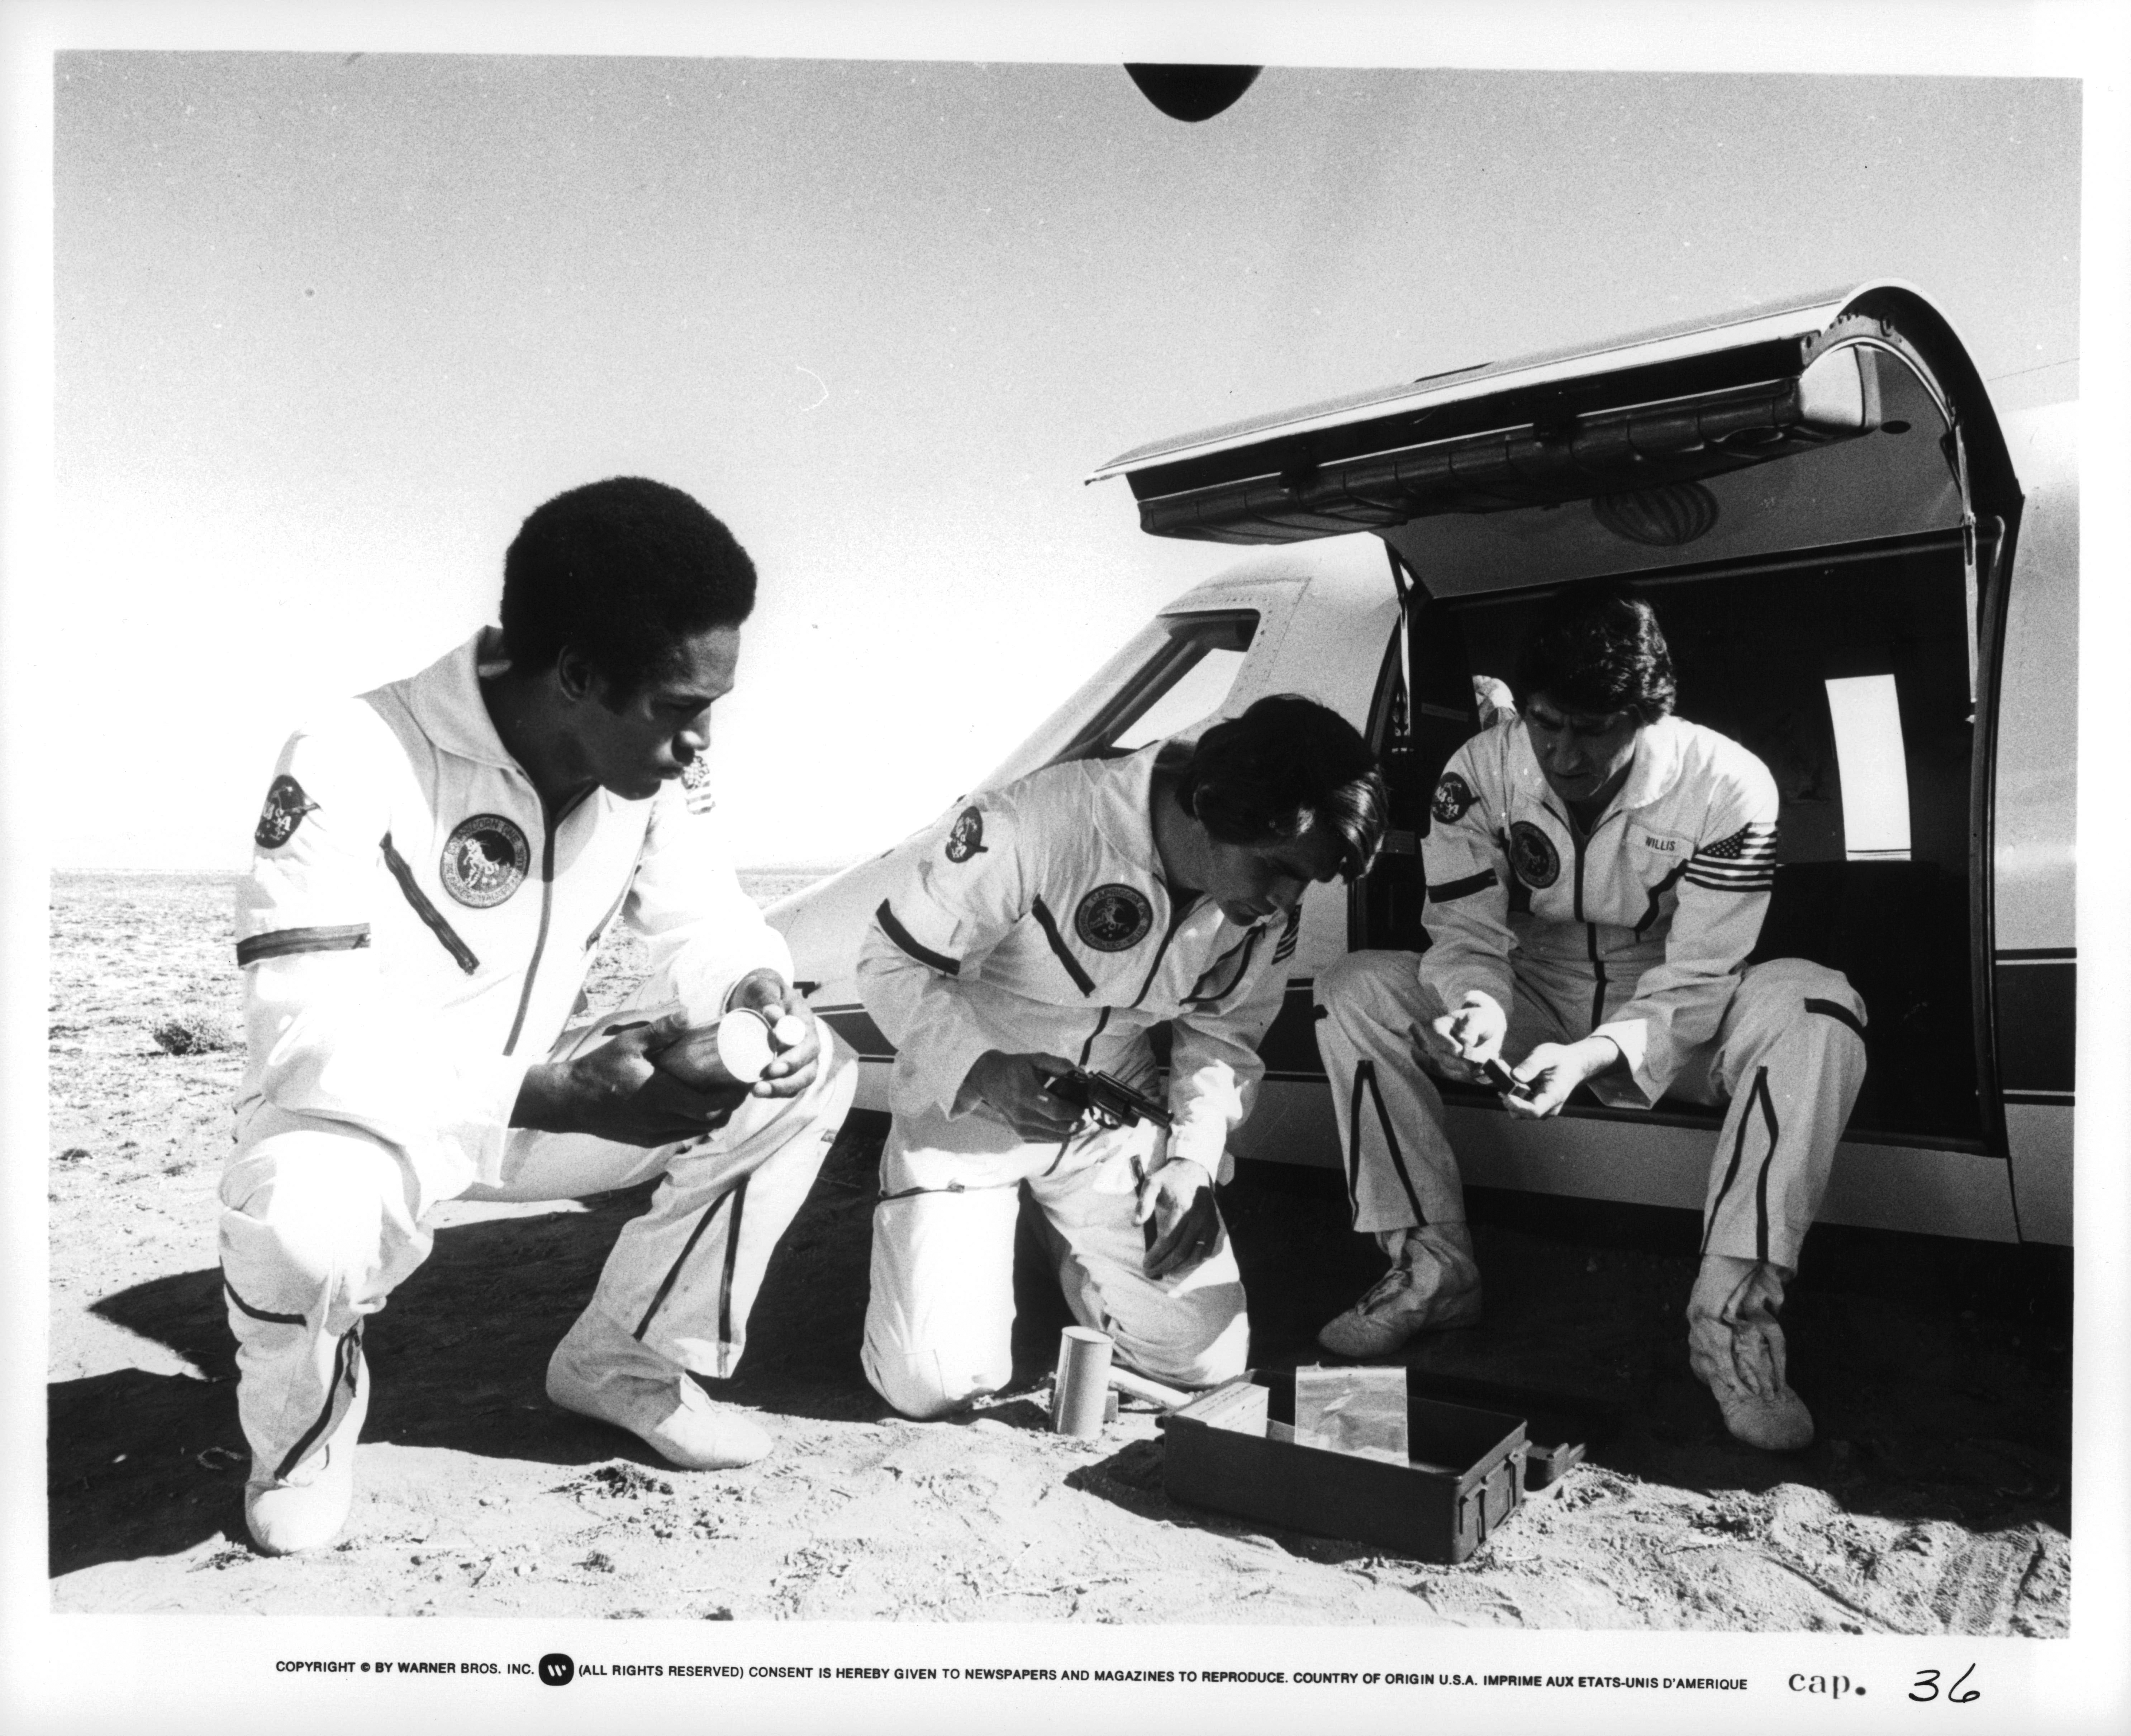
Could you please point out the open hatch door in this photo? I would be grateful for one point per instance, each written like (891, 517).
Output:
(1819, 495)
(1649, 416)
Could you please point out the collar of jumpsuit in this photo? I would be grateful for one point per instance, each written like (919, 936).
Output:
(446, 700)
(1655, 770)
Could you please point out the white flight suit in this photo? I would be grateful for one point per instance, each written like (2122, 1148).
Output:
(1638, 931)
(413, 936)
(1038, 922)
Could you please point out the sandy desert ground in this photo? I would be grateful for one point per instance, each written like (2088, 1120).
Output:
(1937, 1499)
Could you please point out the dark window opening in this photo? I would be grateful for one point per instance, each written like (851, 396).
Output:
(1769, 659)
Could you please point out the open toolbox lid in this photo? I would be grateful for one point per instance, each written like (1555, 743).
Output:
(1561, 1429)
(1672, 407)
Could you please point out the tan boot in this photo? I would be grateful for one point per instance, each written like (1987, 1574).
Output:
(1735, 1347)
(1433, 1283)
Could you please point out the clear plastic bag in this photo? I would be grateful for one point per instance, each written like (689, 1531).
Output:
(1359, 1410)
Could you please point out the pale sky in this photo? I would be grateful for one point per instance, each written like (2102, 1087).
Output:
(329, 326)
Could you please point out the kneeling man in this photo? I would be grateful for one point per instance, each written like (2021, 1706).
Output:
(1597, 872)
(436, 864)
(1052, 925)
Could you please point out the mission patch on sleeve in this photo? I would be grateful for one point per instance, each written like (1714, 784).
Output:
(967, 838)
(286, 805)
(1454, 795)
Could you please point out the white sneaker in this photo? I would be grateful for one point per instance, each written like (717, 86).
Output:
(307, 1508)
(598, 1370)
(1433, 1283)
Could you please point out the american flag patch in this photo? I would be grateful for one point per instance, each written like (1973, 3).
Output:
(1745, 861)
(696, 785)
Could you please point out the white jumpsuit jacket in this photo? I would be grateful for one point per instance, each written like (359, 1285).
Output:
(1648, 920)
(1038, 921)
(415, 933)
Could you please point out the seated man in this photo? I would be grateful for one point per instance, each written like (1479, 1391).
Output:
(436, 864)
(1052, 925)
(1597, 872)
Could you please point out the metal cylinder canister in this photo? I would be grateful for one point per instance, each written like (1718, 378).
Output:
(1081, 1394)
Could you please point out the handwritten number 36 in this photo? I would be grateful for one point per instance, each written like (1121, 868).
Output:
(1928, 1681)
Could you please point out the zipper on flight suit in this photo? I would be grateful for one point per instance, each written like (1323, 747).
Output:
(550, 824)
(1177, 913)
(1087, 1048)
(1581, 841)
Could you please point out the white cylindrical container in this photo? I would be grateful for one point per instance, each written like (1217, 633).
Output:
(732, 1053)
(1083, 1386)
(744, 1045)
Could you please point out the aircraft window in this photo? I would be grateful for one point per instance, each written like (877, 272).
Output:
(1185, 683)
(1873, 767)
(1200, 687)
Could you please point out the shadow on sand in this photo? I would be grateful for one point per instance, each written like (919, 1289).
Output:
(141, 1464)
(1939, 1373)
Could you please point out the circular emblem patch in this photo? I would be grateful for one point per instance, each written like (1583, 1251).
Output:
(967, 838)
(1113, 918)
(484, 861)
(286, 805)
(1533, 856)
(1454, 795)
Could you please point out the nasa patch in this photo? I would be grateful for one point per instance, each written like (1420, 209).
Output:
(1532, 854)
(1113, 918)
(967, 837)
(286, 805)
(484, 861)
(1454, 795)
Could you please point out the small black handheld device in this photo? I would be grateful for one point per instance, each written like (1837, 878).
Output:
(1504, 1080)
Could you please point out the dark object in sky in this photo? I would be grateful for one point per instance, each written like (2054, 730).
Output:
(1191, 92)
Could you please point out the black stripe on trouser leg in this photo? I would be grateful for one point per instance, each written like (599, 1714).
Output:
(1761, 1182)
(695, 1236)
(1731, 1170)
(732, 1259)
(347, 1355)
(278, 1319)
(1391, 1144)
(1839, 1013)
(1354, 1146)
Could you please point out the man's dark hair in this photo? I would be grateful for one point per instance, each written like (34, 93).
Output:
(1288, 765)
(621, 570)
(1598, 650)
